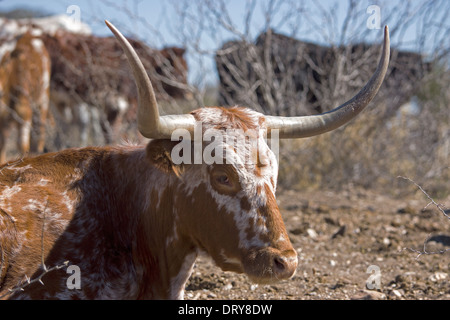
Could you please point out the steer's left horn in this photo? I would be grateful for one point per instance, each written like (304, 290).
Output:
(307, 126)
(150, 123)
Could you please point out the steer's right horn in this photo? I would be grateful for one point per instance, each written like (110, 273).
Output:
(307, 126)
(150, 123)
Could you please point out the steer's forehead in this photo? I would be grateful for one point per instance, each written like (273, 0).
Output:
(237, 118)
(244, 141)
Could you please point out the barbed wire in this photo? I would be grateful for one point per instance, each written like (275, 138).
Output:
(28, 281)
(441, 208)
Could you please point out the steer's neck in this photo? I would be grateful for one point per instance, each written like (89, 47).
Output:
(163, 259)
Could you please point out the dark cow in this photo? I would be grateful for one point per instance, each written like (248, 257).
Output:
(277, 72)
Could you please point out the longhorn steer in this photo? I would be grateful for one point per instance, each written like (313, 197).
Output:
(24, 93)
(133, 221)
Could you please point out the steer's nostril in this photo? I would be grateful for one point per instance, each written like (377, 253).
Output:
(279, 264)
(284, 266)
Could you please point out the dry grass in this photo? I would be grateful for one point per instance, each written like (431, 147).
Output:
(372, 151)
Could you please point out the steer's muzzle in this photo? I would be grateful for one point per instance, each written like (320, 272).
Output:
(270, 265)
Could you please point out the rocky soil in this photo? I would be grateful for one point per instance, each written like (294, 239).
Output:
(349, 243)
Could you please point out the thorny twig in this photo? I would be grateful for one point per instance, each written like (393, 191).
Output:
(42, 237)
(441, 208)
(10, 164)
(31, 281)
(425, 251)
(28, 280)
(2, 262)
(438, 205)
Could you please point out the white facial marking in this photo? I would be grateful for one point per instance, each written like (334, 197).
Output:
(240, 149)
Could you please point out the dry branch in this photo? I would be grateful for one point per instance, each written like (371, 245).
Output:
(441, 208)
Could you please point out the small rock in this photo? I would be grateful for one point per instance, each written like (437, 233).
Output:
(369, 295)
(406, 210)
(228, 286)
(331, 221)
(292, 207)
(397, 293)
(438, 276)
(296, 231)
(340, 232)
(313, 234)
(274, 288)
(322, 208)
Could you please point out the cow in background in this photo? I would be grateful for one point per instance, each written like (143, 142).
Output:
(278, 74)
(24, 93)
(91, 85)
(92, 94)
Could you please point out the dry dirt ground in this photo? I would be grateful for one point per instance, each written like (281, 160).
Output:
(346, 242)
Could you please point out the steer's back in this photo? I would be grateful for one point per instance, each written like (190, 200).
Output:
(38, 197)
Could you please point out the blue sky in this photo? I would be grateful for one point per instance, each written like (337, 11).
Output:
(157, 22)
(94, 12)
(154, 12)
(158, 12)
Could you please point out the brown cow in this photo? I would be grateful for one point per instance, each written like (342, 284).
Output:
(130, 220)
(91, 83)
(92, 93)
(24, 90)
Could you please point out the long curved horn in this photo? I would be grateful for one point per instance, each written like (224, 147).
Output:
(150, 123)
(307, 126)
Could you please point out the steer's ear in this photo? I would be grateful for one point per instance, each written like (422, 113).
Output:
(159, 154)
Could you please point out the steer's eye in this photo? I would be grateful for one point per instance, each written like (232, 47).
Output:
(223, 179)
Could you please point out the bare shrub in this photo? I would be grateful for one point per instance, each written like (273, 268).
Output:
(265, 67)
